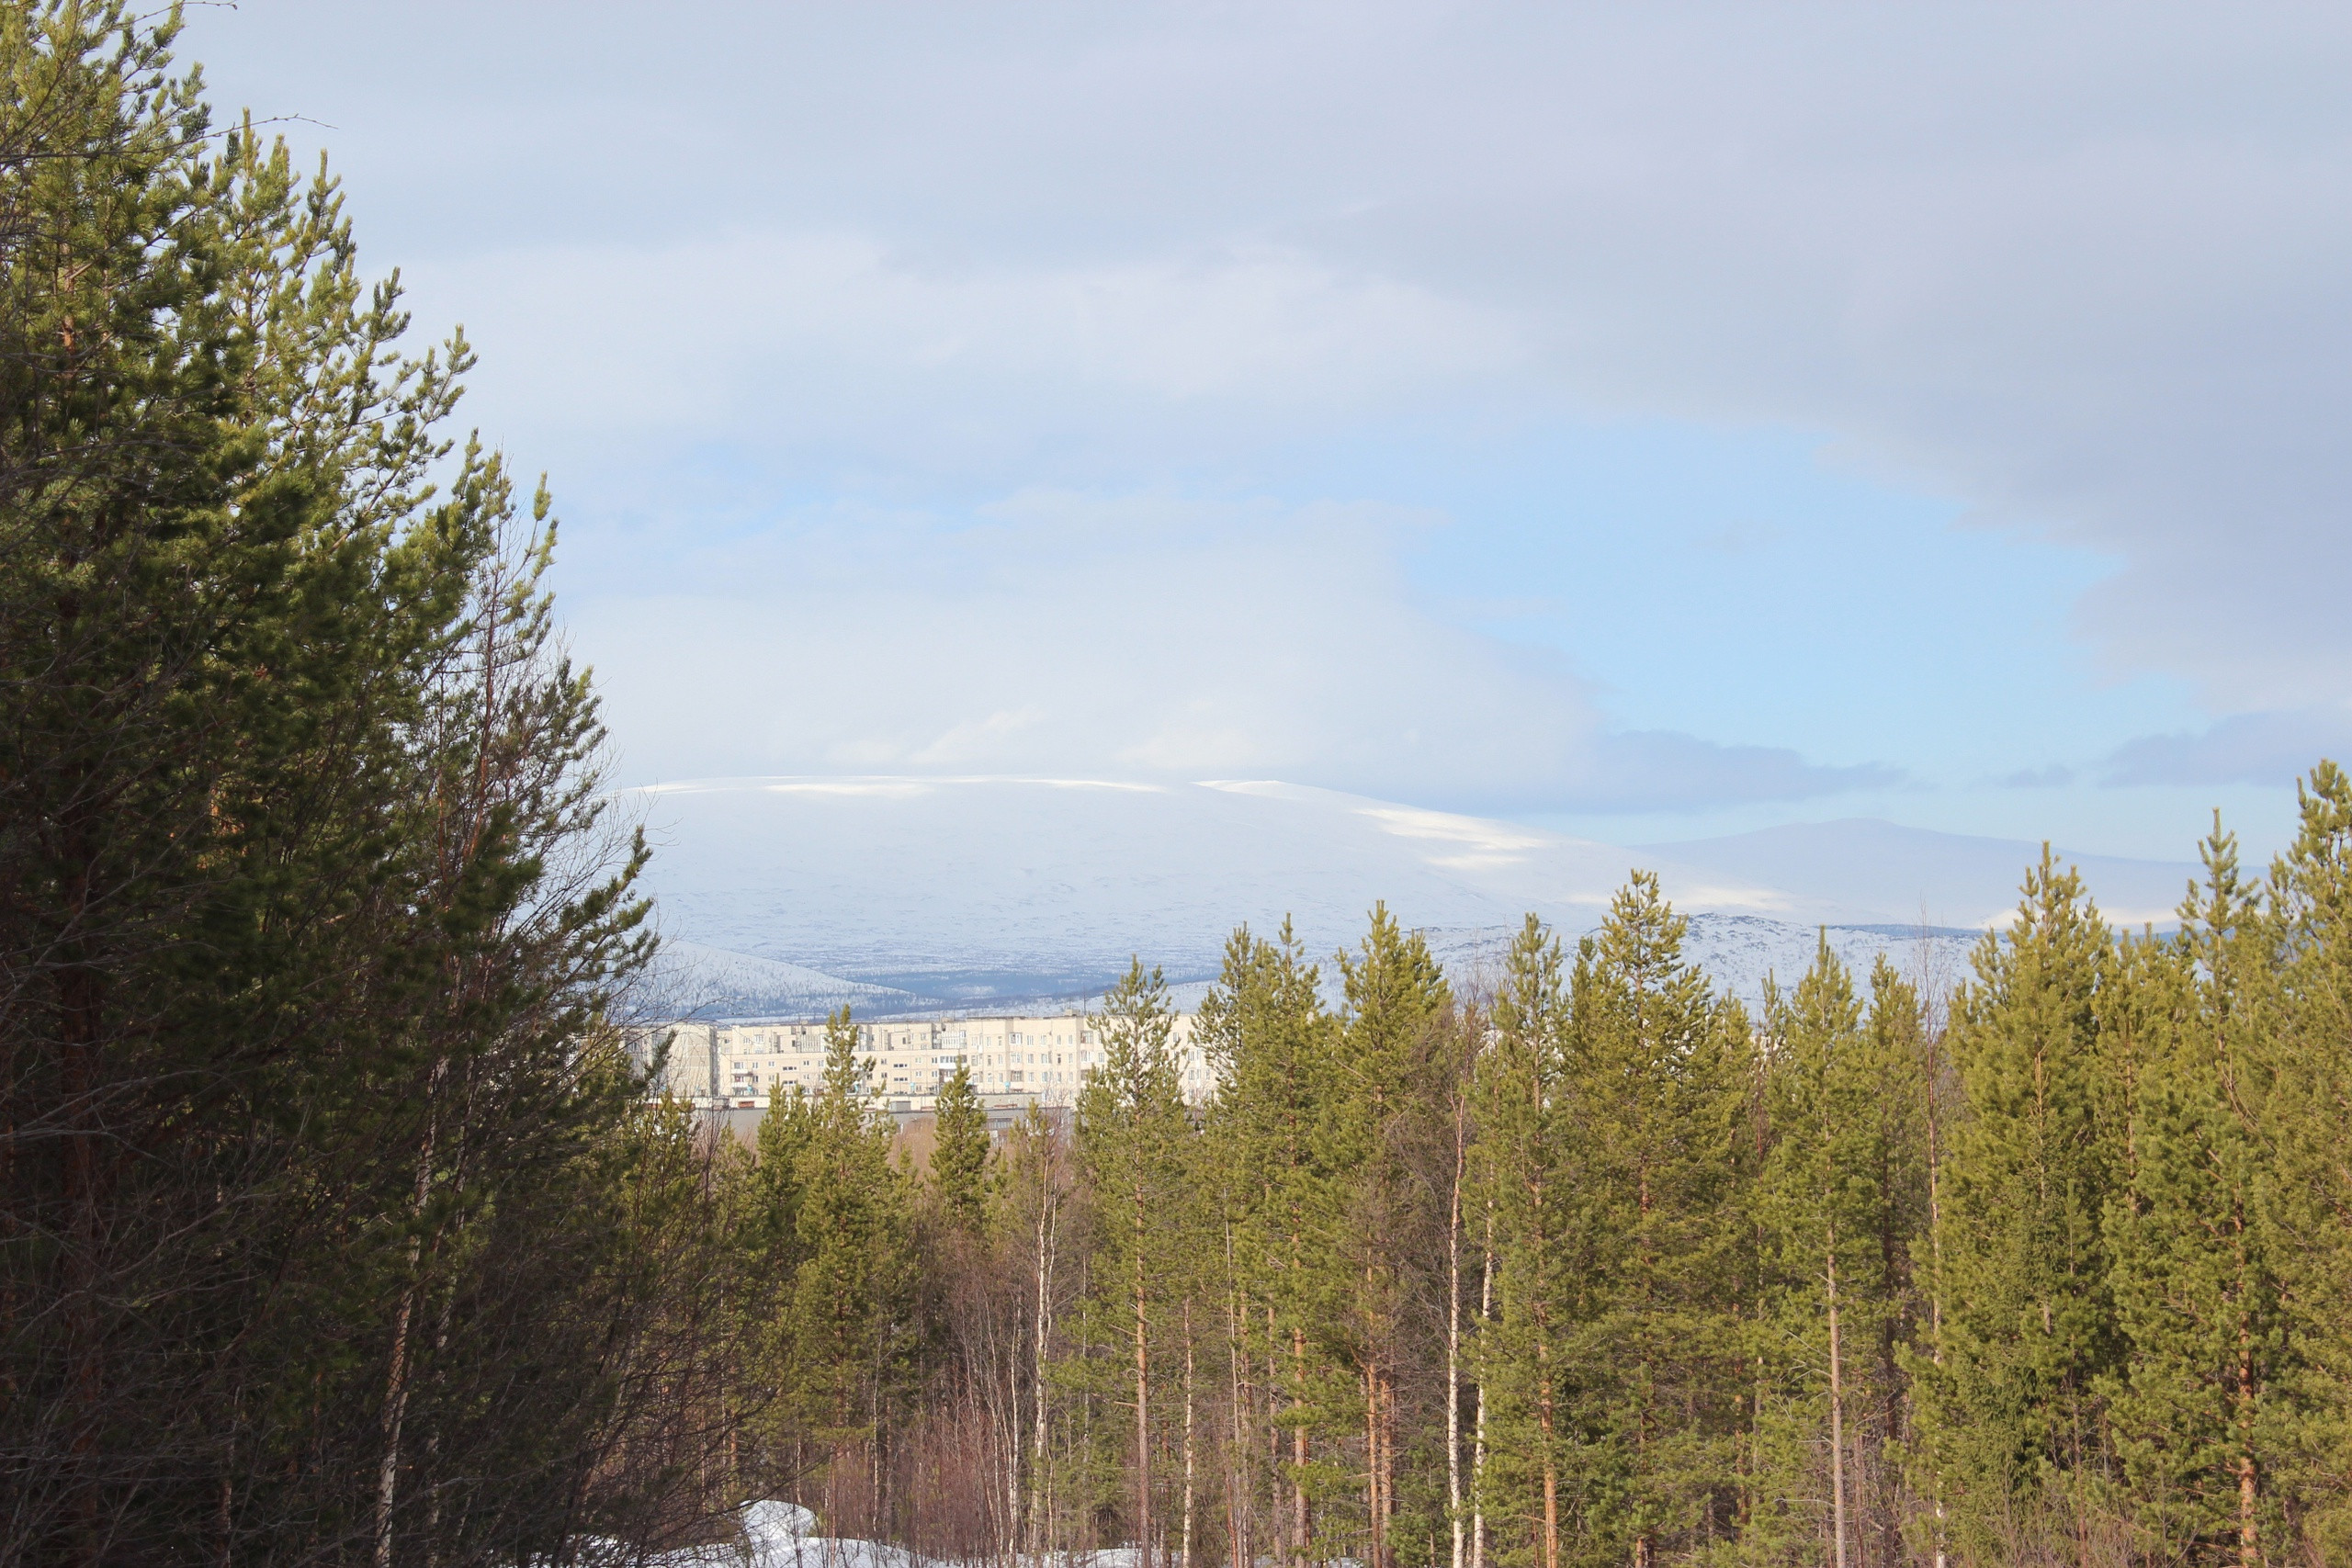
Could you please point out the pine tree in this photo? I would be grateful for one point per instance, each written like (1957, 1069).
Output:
(310, 919)
(1133, 1138)
(1660, 1109)
(1811, 1205)
(1529, 1158)
(1898, 1067)
(2014, 1421)
(1843, 1199)
(1396, 996)
(959, 1154)
(847, 1335)
(2298, 1062)
(2197, 1294)
(1274, 1048)
(771, 1223)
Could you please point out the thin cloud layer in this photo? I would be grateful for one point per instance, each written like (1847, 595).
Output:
(1066, 634)
(2254, 747)
(805, 337)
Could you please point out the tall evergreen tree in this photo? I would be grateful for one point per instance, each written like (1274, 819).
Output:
(2195, 1406)
(1274, 1047)
(1899, 1068)
(959, 1154)
(1134, 1141)
(1659, 1105)
(2015, 1422)
(770, 1225)
(308, 914)
(2297, 1064)
(848, 1337)
(1395, 995)
(1843, 1199)
(1529, 1158)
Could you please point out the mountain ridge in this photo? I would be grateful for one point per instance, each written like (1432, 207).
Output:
(914, 892)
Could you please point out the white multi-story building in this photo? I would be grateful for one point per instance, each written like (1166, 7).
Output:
(1044, 1060)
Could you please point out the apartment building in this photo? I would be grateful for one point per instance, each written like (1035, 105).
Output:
(1013, 1060)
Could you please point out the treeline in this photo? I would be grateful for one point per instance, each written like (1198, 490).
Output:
(334, 1225)
(1588, 1264)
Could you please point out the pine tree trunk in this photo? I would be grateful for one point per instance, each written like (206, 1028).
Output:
(1143, 1390)
(1372, 1465)
(388, 1469)
(1301, 1540)
(1837, 1412)
(1544, 1420)
(433, 1439)
(1386, 1404)
(1935, 1288)
(1280, 1517)
(2248, 1475)
(1878, 1484)
(1237, 1531)
(1641, 1542)
(82, 1013)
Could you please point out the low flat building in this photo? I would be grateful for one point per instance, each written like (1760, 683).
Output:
(1014, 1061)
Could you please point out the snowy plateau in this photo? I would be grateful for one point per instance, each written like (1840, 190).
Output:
(912, 896)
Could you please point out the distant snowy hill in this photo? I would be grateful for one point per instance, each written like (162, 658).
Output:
(1739, 951)
(911, 894)
(1879, 873)
(691, 980)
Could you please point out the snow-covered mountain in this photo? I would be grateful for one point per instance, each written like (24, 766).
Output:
(1740, 951)
(1879, 873)
(900, 894)
(690, 979)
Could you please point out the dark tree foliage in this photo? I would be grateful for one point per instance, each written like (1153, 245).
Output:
(332, 1223)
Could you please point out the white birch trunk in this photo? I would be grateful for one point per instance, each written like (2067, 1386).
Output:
(1185, 1549)
(1453, 1346)
(1478, 1443)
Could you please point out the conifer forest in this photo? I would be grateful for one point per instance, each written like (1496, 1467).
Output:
(337, 1224)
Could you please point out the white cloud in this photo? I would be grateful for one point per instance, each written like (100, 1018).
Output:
(1136, 637)
(1139, 635)
(802, 336)
(2257, 747)
(2086, 268)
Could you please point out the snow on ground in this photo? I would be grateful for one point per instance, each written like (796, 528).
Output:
(783, 1535)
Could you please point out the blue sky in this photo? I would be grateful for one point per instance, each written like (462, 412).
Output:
(1652, 422)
